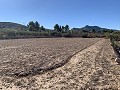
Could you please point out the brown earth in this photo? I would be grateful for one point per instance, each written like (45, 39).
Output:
(32, 56)
(92, 68)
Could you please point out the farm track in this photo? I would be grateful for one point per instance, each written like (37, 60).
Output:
(93, 68)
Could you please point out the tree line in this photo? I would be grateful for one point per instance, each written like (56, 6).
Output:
(35, 26)
(65, 31)
(34, 29)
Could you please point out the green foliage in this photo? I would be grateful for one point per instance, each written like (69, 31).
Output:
(61, 28)
(33, 26)
(55, 34)
(108, 31)
(94, 31)
(56, 27)
(115, 41)
(67, 28)
(35, 30)
(37, 26)
(42, 28)
(113, 36)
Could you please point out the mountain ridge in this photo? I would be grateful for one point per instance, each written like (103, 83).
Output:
(90, 28)
(12, 25)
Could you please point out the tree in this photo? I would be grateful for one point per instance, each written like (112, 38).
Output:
(94, 31)
(42, 28)
(56, 27)
(63, 27)
(33, 26)
(67, 28)
(60, 29)
(37, 26)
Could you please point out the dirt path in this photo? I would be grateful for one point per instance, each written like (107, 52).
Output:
(93, 68)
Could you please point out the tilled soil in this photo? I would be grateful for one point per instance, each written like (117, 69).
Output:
(93, 68)
(32, 56)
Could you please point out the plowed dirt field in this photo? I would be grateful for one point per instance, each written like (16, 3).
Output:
(58, 64)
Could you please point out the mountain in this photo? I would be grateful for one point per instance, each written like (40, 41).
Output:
(12, 25)
(90, 28)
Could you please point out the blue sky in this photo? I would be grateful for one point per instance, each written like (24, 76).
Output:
(75, 13)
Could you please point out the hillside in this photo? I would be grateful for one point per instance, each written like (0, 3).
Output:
(90, 28)
(11, 25)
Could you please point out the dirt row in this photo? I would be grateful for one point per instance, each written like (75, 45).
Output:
(107, 75)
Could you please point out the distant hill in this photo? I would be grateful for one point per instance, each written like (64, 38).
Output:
(90, 28)
(12, 25)
(93, 27)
